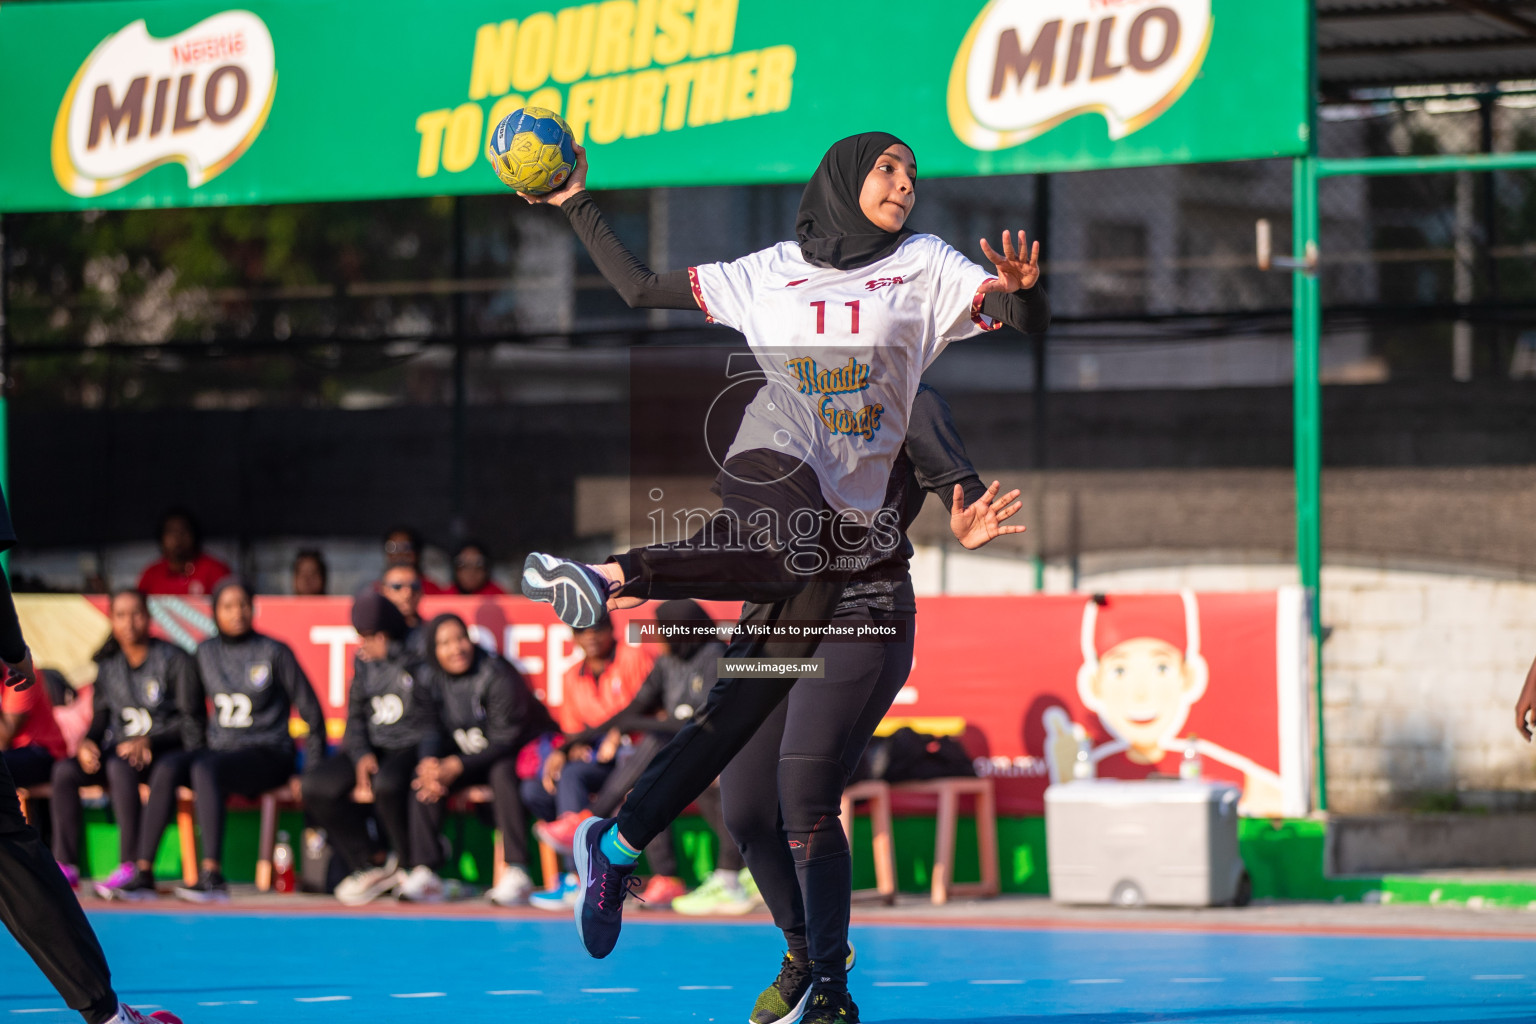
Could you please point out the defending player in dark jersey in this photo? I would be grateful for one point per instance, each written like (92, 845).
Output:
(253, 684)
(377, 759)
(146, 714)
(484, 713)
(36, 903)
(779, 789)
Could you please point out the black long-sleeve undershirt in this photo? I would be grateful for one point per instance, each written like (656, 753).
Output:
(1027, 310)
(636, 283)
(12, 647)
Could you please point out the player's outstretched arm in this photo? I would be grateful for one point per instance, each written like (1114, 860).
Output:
(638, 285)
(1015, 296)
(1525, 706)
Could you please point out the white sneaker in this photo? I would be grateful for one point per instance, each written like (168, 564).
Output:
(422, 886)
(369, 884)
(514, 888)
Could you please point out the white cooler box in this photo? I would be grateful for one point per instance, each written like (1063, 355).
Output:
(1161, 843)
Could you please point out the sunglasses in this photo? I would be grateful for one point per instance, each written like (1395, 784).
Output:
(398, 547)
(402, 586)
(469, 563)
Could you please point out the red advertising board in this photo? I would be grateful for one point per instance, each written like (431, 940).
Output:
(1128, 683)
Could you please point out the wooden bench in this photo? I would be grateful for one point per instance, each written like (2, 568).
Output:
(268, 803)
(948, 791)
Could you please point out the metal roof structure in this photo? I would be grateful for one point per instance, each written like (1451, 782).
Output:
(1366, 43)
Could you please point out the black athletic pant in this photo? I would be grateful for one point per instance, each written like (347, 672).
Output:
(661, 852)
(328, 800)
(248, 772)
(756, 483)
(506, 807)
(783, 792)
(39, 909)
(139, 826)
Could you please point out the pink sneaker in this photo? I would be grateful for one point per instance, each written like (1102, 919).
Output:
(125, 873)
(128, 1015)
(660, 891)
(71, 874)
(559, 834)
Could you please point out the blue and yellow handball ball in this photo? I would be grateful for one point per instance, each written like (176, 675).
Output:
(532, 150)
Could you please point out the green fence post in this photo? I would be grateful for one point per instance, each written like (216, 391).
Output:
(1306, 326)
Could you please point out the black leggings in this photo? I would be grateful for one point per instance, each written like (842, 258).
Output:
(39, 909)
(661, 852)
(773, 487)
(328, 800)
(507, 812)
(248, 772)
(139, 826)
(783, 792)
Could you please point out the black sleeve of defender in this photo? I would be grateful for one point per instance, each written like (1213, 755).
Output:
(937, 452)
(1027, 310)
(12, 646)
(636, 283)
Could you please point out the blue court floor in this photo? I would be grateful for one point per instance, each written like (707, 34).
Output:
(241, 968)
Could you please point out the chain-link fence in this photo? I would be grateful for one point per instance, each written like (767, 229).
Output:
(474, 339)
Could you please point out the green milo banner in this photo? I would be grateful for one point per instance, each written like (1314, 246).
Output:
(187, 102)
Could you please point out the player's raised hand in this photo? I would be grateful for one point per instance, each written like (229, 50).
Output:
(976, 524)
(21, 675)
(1015, 270)
(577, 182)
(1525, 706)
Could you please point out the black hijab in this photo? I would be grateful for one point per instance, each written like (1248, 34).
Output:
(231, 581)
(832, 230)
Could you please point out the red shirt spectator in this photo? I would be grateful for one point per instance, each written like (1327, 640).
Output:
(593, 699)
(37, 724)
(193, 577)
(183, 568)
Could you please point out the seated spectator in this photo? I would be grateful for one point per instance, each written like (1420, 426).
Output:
(608, 677)
(472, 572)
(30, 740)
(402, 585)
(183, 567)
(144, 690)
(485, 714)
(377, 759)
(254, 684)
(309, 573)
(403, 546)
(677, 685)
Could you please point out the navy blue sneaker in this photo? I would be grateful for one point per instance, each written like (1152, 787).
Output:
(603, 886)
(578, 592)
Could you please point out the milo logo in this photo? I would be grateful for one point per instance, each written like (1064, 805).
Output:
(198, 98)
(1026, 66)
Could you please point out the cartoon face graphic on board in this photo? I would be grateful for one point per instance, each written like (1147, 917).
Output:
(1142, 672)
(1142, 669)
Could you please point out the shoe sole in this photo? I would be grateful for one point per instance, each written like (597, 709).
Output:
(581, 855)
(798, 1010)
(193, 896)
(567, 587)
(126, 895)
(384, 885)
(795, 1012)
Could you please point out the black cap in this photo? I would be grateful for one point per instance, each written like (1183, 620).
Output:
(372, 612)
